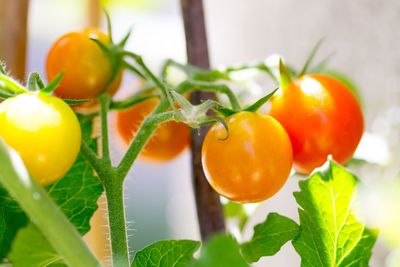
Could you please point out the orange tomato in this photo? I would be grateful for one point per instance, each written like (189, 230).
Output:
(167, 142)
(253, 163)
(86, 67)
(322, 117)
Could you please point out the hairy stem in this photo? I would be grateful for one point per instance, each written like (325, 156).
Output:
(104, 107)
(117, 220)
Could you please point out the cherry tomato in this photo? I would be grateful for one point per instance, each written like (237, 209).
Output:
(44, 130)
(322, 117)
(253, 163)
(167, 142)
(86, 67)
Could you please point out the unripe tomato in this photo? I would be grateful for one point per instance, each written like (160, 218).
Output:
(322, 117)
(86, 67)
(253, 163)
(167, 142)
(44, 130)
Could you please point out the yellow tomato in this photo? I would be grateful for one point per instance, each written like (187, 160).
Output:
(44, 130)
(252, 163)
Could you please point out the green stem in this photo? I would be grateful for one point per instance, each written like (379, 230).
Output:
(46, 215)
(145, 131)
(104, 107)
(10, 85)
(206, 86)
(150, 74)
(117, 221)
(131, 101)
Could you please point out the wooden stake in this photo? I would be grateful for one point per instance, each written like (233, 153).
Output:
(13, 35)
(209, 209)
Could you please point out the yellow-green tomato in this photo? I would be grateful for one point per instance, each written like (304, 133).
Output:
(44, 130)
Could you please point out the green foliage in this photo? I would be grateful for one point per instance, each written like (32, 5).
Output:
(10, 222)
(330, 234)
(24, 253)
(221, 250)
(269, 237)
(166, 253)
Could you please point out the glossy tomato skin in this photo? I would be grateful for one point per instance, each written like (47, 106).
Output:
(322, 117)
(167, 142)
(44, 130)
(253, 163)
(86, 67)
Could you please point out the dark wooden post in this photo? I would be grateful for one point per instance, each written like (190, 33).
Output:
(13, 35)
(209, 209)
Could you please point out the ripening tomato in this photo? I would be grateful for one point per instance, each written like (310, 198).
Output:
(167, 142)
(322, 117)
(86, 67)
(253, 163)
(45, 132)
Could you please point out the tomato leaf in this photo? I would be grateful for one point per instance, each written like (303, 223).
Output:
(53, 84)
(24, 253)
(220, 250)
(330, 234)
(10, 222)
(269, 237)
(166, 253)
(256, 105)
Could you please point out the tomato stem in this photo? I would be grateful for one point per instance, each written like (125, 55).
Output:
(104, 107)
(148, 126)
(211, 87)
(116, 220)
(10, 85)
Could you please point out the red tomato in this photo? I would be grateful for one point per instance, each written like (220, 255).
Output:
(322, 117)
(86, 67)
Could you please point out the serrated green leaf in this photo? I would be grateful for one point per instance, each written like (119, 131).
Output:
(10, 222)
(330, 234)
(166, 253)
(220, 250)
(269, 237)
(37, 252)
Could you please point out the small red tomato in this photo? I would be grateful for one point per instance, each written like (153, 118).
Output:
(86, 67)
(322, 117)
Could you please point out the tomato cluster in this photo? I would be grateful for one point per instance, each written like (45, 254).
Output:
(247, 160)
(311, 118)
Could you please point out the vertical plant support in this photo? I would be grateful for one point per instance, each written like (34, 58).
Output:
(209, 209)
(94, 13)
(13, 35)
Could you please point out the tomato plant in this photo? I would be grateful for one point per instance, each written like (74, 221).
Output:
(246, 156)
(167, 142)
(85, 66)
(44, 131)
(253, 162)
(322, 117)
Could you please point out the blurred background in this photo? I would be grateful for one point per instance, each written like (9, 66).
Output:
(362, 36)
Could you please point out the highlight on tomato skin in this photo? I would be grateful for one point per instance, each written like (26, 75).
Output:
(168, 141)
(252, 163)
(322, 117)
(44, 130)
(85, 66)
